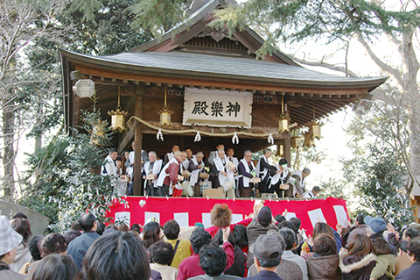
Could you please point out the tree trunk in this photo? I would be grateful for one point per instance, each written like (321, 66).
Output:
(9, 151)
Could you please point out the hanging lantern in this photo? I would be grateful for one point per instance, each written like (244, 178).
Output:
(316, 131)
(118, 116)
(309, 142)
(98, 132)
(165, 114)
(283, 122)
(295, 141)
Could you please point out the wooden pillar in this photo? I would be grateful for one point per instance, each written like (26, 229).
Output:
(287, 148)
(138, 138)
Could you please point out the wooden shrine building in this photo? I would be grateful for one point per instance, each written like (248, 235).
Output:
(215, 86)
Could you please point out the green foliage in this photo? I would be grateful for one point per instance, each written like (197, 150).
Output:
(65, 185)
(158, 16)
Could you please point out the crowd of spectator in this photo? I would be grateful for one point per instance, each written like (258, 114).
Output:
(263, 246)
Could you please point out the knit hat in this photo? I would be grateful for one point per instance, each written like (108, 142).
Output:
(9, 239)
(376, 224)
(265, 216)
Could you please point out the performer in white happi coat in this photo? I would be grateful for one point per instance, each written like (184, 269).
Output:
(196, 167)
(150, 174)
(225, 175)
(168, 177)
(245, 167)
(281, 181)
(230, 157)
(129, 165)
(263, 171)
(299, 184)
(170, 156)
(109, 168)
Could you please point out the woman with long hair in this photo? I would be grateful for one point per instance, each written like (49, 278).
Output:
(151, 233)
(360, 259)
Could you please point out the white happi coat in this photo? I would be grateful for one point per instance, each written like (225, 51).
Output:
(244, 178)
(195, 173)
(163, 173)
(155, 171)
(109, 169)
(218, 162)
(257, 169)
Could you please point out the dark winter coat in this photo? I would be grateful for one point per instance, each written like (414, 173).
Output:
(357, 267)
(324, 267)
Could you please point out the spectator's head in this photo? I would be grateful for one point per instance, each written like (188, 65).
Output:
(116, 256)
(55, 266)
(171, 229)
(151, 233)
(100, 228)
(88, 222)
(360, 219)
(289, 237)
(296, 222)
(221, 215)
(413, 250)
(402, 247)
(123, 227)
(220, 146)
(19, 215)
(267, 252)
(152, 156)
(70, 235)
(33, 246)
(162, 253)
(23, 227)
(360, 245)
(118, 161)
(410, 233)
(381, 246)
(230, 152)
(53, 243)
(175, 148)
(322, 228)
(324, 245)
(306, 172)
(375, 225)
(76, 226)
(213, 260)
(265, 216)
(240, 236)
(199, 238)
(9, 240)
(136, 227)
(287, 224)
(113, 153)
(316, 190)
(280, 218)
(218, 238)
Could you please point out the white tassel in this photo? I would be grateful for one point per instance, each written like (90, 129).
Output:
(271, 139)
(159, 135)
(235, 139)
(197, 137)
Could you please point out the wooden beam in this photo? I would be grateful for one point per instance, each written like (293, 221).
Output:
(128, 138)
(138, 138)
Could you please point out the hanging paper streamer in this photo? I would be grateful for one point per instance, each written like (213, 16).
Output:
(271, 139)
(197, 137)
(235, 139)
(159, 135)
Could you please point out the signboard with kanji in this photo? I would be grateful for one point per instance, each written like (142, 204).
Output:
(217, 108)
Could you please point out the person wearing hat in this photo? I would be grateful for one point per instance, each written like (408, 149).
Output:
(9, 241)
(262, 222)
(375, 228)
(267, 252)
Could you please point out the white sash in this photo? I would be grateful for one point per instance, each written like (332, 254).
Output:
(257, 169)
(244, 178)
(301, 179)
(170, 156)
(163, 173)
(218, 162)
(275, 179)
(195, 173)
(156, 168)
(186, 163)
